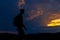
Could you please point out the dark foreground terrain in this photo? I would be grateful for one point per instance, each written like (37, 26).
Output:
(39, 36)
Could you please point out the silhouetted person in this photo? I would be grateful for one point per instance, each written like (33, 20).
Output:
(18, 22)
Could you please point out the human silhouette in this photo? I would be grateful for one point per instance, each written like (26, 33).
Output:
(18, 22)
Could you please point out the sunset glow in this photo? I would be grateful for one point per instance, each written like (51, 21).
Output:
(55, 22)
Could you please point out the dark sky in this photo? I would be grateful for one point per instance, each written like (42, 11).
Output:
(8, 9)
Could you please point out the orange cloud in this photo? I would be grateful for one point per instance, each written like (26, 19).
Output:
(53, 15)
(37, 11)
(35, 14)
(20, 3)
(46, 19)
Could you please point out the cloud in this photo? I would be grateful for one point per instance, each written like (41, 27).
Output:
(47, 11)
(36, 10)
(20, 3)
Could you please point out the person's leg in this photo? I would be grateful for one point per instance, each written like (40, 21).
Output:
(19, 36)
(20, 32)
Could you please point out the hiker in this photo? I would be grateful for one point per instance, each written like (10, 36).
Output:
(18, 22)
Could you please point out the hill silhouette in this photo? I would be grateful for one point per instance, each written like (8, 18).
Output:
(38, 36)
(42, 36)
(7, 36)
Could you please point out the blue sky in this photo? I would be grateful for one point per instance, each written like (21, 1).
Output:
(8, 9)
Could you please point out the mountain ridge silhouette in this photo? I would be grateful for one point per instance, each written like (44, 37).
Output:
(38, 36)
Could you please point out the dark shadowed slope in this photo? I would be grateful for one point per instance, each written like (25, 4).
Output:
(42, 36)
(39, 36)
(9, 36)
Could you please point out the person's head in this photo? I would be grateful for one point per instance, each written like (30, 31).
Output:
(21, 11)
